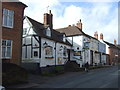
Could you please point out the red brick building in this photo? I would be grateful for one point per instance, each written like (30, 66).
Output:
(114, 52)
(12, 26)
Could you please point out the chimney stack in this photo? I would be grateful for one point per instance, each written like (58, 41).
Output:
(101, 36)
(48, 19)
(79, 24)
(96, 35)
(115, 42)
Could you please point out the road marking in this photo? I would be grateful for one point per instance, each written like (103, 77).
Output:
(103, 86)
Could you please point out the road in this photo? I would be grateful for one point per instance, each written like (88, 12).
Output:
(99, 78)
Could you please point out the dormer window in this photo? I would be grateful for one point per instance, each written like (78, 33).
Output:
(48, 32)
(64, 38)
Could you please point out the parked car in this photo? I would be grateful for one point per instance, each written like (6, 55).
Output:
(2, 88)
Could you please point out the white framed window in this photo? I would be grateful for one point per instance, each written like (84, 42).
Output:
(24, 31)
(8, 18)
(36, 53)
(48, 32)
(6, 48)
(64, 38)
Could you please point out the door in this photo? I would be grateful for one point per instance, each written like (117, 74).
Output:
(91, 55)
(68, 54)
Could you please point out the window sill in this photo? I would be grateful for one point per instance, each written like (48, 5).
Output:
(49, 57)
(6, 58)
(7, 27)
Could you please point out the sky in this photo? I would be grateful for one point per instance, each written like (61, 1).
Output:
(97, 16)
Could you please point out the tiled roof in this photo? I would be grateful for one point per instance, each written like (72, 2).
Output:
(73, 31)
(112, 45)
(39, 28)
(118, 46)
(70, 31)
(91, 37)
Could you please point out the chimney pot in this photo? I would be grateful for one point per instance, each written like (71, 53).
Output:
(79, 24)
(101, 36)
(115, 42)
(49, 11)
(96, 35)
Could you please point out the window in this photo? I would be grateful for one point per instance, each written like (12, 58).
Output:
(6, 48)
(64, 38)
(24, 31)
(35, 53)
(48, 32)
(8, 18)
(65, 51)
(49, 51)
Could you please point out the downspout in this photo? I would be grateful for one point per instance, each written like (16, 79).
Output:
(55, 53)
(31, 47)
(40, 47)
(40, 53)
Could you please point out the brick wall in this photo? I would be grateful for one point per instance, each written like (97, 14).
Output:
(14, 33)
(113, 52)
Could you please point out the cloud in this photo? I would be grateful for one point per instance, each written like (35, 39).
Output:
(71, 16)
(89, 0)
(36, 8)
(101, 17)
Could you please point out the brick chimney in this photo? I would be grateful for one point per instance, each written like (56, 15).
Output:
(96, 35)
(48, 19)
(115, 42)
(79, 24)
(101, 36)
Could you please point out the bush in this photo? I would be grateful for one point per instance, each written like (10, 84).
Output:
(97, 67)
(58, 67)
(13, 74)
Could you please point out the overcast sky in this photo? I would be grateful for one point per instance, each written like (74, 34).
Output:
(96, 16)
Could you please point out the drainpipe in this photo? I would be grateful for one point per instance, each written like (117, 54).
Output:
(55, 53)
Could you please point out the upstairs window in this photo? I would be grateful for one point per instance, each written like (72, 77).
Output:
(24, 31)
(8, 18)
(48, 32)
(6, 48)
(65, 51)
(64, 38)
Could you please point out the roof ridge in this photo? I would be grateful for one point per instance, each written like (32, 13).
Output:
(34, 20)
(65, 27)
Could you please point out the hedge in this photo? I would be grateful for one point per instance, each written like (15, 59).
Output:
(13, 74)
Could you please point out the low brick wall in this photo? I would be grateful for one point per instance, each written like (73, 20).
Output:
(32, 67)
(35, 69)
(52, 69)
